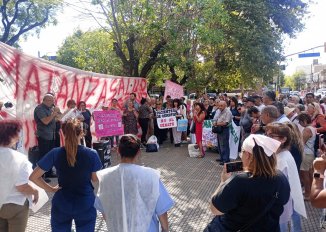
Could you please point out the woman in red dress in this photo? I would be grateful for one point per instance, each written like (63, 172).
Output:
(199, 117)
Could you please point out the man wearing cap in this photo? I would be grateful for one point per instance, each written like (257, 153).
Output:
(291, 114)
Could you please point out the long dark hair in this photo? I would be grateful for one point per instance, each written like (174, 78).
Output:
(201, 106)
(235, 100)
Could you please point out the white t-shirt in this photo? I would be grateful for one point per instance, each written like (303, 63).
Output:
(18, 174)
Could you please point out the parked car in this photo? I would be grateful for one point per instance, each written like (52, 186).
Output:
(321, 92)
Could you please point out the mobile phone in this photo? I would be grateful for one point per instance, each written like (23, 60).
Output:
(234, 166)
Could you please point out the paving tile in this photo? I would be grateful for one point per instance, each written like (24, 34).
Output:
(190, 181)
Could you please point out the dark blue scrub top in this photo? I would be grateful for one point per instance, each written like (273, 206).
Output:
(76, 193)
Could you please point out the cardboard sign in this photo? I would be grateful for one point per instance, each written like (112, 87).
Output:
(166, 118)
(108, 123)
(209, 138)
(174, 90)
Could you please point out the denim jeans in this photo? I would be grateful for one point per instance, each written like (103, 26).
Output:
(223, 144)
(295, 224)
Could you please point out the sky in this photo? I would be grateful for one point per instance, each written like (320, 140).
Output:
(314, 34)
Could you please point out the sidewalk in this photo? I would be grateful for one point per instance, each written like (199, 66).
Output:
(190, 181)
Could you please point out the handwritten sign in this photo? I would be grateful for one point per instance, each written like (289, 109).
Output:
(166, 118)
(25, 80)
(209, 138)
(174, 90)
(108, 123)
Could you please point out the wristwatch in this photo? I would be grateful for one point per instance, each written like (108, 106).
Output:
(318, 175)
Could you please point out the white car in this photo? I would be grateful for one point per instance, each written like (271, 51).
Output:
(321, 92)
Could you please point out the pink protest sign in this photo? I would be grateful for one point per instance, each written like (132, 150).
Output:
(108, 123)
(174, 90)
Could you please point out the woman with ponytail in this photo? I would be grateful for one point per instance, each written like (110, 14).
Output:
(76, 167)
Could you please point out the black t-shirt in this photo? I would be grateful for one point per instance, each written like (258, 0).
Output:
(243, 198)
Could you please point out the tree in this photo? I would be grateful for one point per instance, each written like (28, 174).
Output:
(220, 44)
(295, 81)
(91, 51)
(21, 17)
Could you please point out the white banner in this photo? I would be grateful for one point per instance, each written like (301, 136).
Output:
(166, 118)
(234, 140)
(24, 80)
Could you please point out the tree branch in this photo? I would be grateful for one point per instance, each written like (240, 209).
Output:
(122, 56)
(22, 30)
(152, 58)
(174, 76)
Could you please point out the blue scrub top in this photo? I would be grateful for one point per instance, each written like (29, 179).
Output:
(76, 193)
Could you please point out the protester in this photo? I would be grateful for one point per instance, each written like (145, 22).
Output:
(309, 137)
(223, 120)
(44, 116)
(318, 119)
(87, 115)
(246, 121)
(159, 133)
(168, 100)
(297, 146)
(199, 117)
(318, 191)
(114, 106)
(255, 197)
(180, 112)
(210, 108)
(76, 167)
(129, 119)
(133, 100)
(282, 117)
(294, 99)
(132, 197)
(258, 102)
(310, 98)
(291, 114)
(286, 164)
(234, 110)
(268, 115)
(14, 172)
(299, 108)
(269, 97)
(143, 119)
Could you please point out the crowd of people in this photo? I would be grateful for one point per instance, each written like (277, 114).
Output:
(281, 148)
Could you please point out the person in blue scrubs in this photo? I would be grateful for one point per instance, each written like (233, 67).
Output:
(76, 167)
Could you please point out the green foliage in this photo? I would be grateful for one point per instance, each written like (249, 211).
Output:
(22, 17)
(91, 51)
(200, 43)
(295, 81)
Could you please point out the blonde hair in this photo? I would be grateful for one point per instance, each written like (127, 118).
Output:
(72, 130)
(296, 136)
